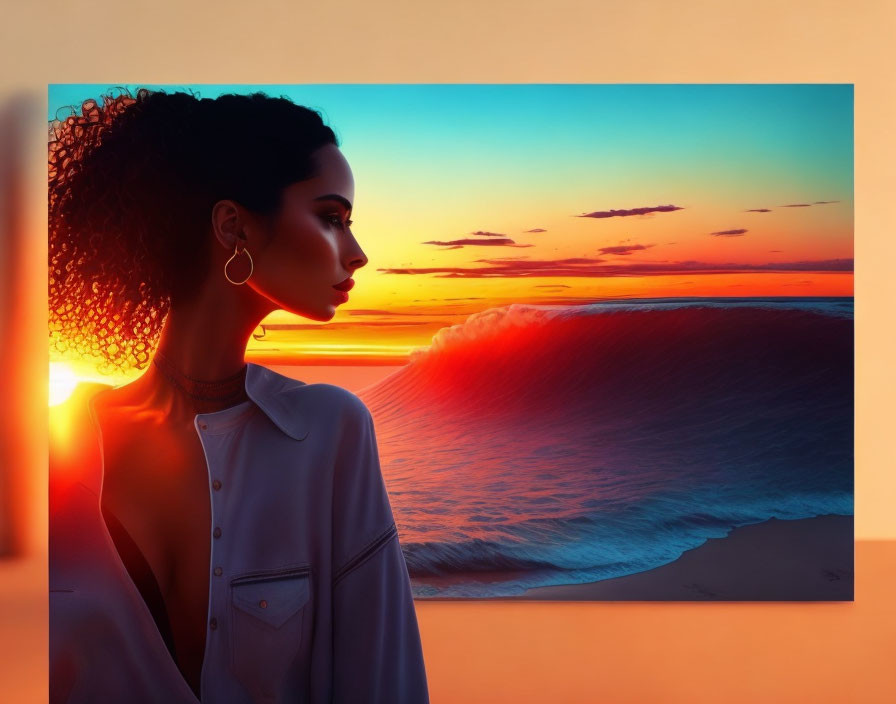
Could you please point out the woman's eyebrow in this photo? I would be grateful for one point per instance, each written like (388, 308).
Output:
(339, 199)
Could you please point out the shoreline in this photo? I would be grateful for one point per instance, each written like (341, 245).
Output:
(806, 559)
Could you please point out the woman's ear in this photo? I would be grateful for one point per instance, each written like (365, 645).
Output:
(227, 224)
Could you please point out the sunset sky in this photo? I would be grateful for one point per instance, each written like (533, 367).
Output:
(469, 197)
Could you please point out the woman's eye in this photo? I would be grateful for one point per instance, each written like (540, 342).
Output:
(336, 220)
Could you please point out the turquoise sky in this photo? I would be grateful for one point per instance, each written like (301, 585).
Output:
(524, 131)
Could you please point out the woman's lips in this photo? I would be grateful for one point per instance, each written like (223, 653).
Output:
(345, 285)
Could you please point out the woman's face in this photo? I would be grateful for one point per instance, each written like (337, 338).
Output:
(309, 246)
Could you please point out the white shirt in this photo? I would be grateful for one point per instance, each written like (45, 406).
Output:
(309, 594)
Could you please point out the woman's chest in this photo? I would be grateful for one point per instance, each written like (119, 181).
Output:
(156, 484)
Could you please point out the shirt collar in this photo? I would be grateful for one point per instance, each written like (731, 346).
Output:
(272, 393)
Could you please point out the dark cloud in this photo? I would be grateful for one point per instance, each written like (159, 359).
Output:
(728, 233)
(483, 233)
(457, 244)
(758, 210)
(623, 249)
(633, 211)
(596, 268)
(536, 229)
(808, 205)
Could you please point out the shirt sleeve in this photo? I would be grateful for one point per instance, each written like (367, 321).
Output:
(377, 650)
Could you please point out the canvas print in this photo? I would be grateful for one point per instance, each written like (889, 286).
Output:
(604, 333)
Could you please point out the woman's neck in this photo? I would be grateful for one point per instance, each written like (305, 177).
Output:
(199, 364)
(201, 394)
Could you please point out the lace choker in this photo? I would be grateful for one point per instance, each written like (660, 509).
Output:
(219, 392)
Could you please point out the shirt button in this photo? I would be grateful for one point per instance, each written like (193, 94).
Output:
(216, 484)
(263, 604)
(203, 426)
(217, 532)
(218, 571)
(213, 624)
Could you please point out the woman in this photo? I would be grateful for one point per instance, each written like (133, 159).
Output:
(218, 532)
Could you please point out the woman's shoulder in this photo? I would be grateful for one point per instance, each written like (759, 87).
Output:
(330, 408)
(73, 447)
(314, 397)
(321, 409)
(342, 400)
(84, 395)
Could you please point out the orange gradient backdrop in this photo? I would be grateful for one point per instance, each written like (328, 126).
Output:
(510, 652)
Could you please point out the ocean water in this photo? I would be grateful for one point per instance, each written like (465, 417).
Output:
(539, 445)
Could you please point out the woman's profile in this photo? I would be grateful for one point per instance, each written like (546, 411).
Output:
(218, 532)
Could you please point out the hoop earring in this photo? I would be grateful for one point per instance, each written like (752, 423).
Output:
(236, 251)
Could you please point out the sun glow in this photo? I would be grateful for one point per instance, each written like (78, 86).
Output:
(63, 381)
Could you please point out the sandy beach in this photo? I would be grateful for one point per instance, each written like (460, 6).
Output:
(809, 559)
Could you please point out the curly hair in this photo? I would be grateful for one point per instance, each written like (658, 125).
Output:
(131, 186)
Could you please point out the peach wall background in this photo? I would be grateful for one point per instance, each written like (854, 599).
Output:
(505, 652)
